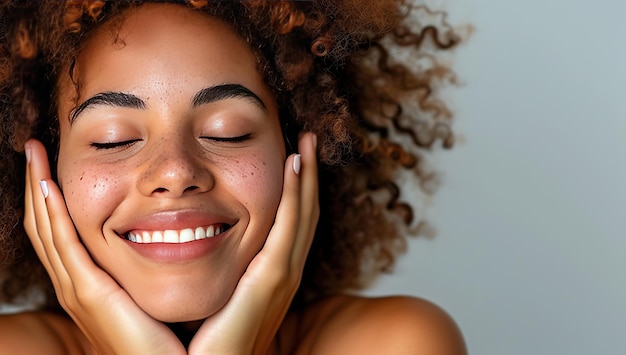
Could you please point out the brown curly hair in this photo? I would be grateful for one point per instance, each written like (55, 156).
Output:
(330, 65)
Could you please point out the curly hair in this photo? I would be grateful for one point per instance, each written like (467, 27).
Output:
(333, 69)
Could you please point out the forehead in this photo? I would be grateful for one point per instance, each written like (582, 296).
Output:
(170, 27)
(176, 42)
(156, 19)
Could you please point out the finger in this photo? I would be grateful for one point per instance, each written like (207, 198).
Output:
(36, 213)
(309, 198)
(29, 216)
(291, 236)
(72, 253)
(35, 220)
(40, 171)
(281, 238)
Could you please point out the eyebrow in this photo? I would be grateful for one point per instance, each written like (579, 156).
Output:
(110, 98)
(224, 92)
(205, 96)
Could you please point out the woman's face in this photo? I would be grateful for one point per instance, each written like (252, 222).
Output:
(171, 158)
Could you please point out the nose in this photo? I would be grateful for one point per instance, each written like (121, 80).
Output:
(174, 169)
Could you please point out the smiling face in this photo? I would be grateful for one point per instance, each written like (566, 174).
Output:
(171, 158)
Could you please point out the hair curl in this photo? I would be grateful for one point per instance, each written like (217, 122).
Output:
(331, 67)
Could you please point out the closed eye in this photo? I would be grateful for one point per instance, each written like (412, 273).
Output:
(237, 139)
(113, 145)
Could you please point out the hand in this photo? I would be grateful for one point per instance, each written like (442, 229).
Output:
(248, 323)
(104, 312)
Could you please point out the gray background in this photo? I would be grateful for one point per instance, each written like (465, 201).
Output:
(529, 255)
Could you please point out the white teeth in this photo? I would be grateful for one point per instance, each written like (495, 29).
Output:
(170, 237)
(175, 236)
(157, 237)
(147, 237)
(187, 235)
(200, 234)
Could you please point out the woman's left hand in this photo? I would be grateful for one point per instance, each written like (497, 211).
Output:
(248, 323)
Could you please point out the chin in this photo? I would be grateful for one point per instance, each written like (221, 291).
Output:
(183, 309)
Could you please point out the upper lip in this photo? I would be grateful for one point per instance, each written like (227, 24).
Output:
(175, 220)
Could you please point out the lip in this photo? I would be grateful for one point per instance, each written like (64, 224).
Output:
(178, 253)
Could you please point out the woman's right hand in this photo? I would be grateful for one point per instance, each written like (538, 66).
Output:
(104, 312)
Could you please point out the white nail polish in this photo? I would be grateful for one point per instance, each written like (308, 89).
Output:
(297, 164)
(44, 188)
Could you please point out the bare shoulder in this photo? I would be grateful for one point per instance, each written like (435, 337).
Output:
(40, 333)
(390, 325)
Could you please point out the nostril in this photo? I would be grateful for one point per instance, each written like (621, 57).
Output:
(188, 189)
(191, 188)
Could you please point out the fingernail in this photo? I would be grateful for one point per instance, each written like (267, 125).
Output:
(297, 164)
(44, 188)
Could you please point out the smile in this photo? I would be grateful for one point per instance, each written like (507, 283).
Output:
(176, 236)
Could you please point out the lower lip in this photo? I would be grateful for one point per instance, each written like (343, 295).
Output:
(177, 252)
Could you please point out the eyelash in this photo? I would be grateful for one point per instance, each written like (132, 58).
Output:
(113, 145)
(124, 144)
(237, 139)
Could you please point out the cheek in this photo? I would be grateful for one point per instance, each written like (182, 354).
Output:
(257, 182)
(91, 193)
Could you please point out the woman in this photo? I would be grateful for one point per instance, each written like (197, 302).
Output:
(175, 215)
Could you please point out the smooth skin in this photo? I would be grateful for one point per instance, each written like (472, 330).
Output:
(107, 318)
